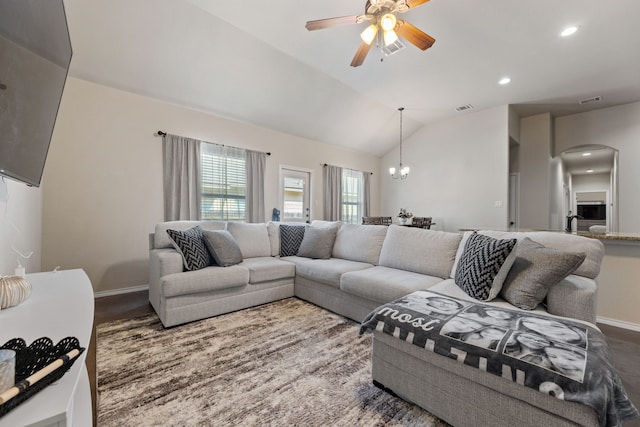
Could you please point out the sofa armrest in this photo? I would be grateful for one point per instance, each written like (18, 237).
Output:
(164, 261)
(161, 262)
(575, 297)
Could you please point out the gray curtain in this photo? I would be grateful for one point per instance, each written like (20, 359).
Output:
(366, 193)
(332, 180)
(181, 180)
(255, 164)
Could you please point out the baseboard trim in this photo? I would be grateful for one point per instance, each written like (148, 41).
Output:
(618, 323)
(102, 294)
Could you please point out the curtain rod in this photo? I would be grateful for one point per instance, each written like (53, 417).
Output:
(370, 173)
(161, 133)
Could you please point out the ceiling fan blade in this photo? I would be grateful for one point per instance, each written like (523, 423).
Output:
(414, 35)
(331, 22)
(361, 54)
(415, 3)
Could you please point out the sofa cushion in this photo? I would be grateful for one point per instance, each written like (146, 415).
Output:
(359, 242)
(483, 265)
(535, 270)
(317, 242)
(290, 239)
(327, 271)
(222, 247)
(593, 248)
(191, 246)
(384, 284)
(273, 229)
(320, 223)
(265, 269)
(205, 280)
(162, 240)
(253, 239)
(419, 250)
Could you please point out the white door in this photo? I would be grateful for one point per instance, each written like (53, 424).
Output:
(295, 197)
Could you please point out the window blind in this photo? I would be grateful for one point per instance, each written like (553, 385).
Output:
(224, 183)
(352, 196)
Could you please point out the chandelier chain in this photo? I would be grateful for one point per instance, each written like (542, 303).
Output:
(401, 109)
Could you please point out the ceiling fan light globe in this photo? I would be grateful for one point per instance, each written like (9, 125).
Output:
(390, 37)
(369, 34)
(388, 22)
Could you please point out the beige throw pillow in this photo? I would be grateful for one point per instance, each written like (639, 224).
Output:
(535, 270)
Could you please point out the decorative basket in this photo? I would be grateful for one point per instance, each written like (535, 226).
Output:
(13, 290)
(31, 359)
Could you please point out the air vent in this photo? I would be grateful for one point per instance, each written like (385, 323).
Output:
(393, 47)
(594, 99)
(464, 107)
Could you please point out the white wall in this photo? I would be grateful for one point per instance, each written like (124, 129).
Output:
(557, 212)
(591, 182)
(459, 170)
(619, 128)
(20, 227)
(104, 176)
(535, 155)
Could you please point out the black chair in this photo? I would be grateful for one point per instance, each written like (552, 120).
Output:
(371, 220)
(421, 222)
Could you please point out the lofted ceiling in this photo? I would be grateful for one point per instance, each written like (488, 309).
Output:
(254, 61)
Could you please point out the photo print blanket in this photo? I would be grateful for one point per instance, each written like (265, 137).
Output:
(566, 359)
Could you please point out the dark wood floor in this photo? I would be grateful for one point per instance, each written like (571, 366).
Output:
(624, 344)
(107, 309)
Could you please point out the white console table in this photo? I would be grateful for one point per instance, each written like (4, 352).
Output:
(60, 305)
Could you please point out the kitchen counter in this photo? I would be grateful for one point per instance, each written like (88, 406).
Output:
(610, 236)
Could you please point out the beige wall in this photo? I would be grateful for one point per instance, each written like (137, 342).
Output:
(103, 177)
(459, 170)
(618, 291)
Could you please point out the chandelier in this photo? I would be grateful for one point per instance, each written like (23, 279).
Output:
(402, 170)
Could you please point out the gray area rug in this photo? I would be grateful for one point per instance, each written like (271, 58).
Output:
(284, 363)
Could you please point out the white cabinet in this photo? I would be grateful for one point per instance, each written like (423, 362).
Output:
(61, 305)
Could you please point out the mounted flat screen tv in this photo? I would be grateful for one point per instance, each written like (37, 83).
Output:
(35, 53)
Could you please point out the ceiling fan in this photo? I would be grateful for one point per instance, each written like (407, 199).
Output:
(384, 25)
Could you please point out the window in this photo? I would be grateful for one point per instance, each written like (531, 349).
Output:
(352, 196)
(224, 183)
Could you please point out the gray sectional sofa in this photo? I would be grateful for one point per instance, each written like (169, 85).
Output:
(371, 265)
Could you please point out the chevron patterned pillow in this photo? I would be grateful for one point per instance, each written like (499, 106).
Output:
(290, 238)
(191, 246)
(484, 265)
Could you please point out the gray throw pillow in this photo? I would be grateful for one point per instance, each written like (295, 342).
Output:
(318, 242)
(223, 247)
(483, 266)
(290, 239)
(535, 270)
(191, 246)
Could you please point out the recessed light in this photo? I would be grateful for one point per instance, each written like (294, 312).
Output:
(568, 31)
(586, 154)
(589, 170)
(504, 81)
